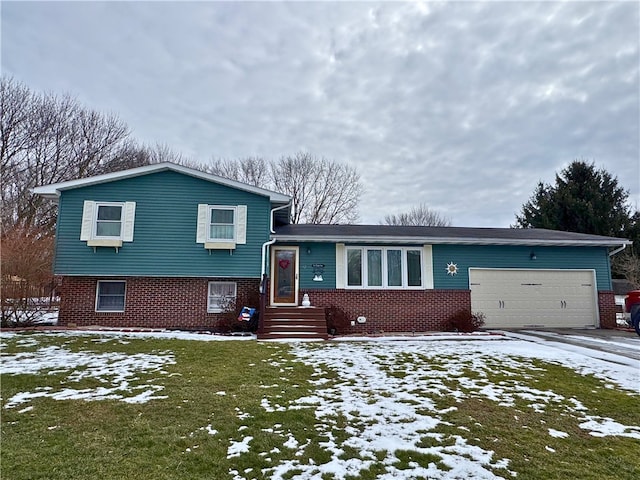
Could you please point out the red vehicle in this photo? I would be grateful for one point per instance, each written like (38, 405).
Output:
(632, 307)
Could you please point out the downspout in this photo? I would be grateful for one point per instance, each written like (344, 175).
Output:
(617, 250)
(263, 274)
(266, 245)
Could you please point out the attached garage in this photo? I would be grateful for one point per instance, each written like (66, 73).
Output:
(516, 298)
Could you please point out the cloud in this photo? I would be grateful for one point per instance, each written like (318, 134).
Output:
(463, 106)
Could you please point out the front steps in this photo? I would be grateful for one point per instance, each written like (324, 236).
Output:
(294, 323)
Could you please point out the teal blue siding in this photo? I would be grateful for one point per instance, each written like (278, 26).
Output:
(320, 253)
(315, 253)
(164, 242)
(494, 256)
(466, 256)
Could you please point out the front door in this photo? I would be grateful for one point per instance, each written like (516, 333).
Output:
(284, 278)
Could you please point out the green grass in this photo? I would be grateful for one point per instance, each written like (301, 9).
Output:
(167, 438)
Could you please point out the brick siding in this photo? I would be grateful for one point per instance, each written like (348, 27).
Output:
(395, 310)
(150, 302)
(182, 303)
(607, 306)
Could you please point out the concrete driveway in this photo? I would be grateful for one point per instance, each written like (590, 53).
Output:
(602, 344)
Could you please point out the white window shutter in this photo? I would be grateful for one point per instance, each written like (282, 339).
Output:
(87, 220)
(241, 224)
(427, 266)
(340, 266)
(201, 232)
(128, 221)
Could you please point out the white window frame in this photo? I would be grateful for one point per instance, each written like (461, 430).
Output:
(235, 223)
(89, 225)
(94, 232)
(385, 273)
(124, 295)
(213, 307)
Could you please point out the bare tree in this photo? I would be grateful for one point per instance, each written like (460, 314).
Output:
(419, 215)
(48, 139)
(322, 191)
(628, 265)
(132, 155)
(251, 170)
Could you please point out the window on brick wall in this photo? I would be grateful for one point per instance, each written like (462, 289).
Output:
(221, 296)
(384, 267)
(110, 295)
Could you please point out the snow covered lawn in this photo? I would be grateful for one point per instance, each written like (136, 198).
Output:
(177, 406)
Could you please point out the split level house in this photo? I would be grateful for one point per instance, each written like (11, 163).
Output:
(166, 246)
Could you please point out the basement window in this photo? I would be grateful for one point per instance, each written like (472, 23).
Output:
(222, 296)
(110, 295)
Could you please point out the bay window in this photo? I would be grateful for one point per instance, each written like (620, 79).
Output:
(414, 268)
(384, 267)
(354, 267)
(374, 268)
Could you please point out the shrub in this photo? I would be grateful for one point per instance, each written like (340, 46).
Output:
(338, 320)
(465, 321)
(228, 320)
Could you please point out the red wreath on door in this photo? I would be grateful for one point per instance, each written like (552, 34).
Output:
(284, 264)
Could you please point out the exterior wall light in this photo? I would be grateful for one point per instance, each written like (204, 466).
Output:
(533, 256)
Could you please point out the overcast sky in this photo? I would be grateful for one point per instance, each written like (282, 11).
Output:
(463, 106)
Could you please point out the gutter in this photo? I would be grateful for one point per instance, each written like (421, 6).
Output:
(450, 241)
(618, 250)
(272, 211)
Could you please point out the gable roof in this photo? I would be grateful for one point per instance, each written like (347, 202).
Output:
(52, 191)
(442, 235)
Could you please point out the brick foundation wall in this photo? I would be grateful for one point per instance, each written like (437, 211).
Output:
(150, 302)
(607, 306)
(182, 303)
(395, 310)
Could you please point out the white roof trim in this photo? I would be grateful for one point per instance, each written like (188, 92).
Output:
(450, 241)
(53, 190)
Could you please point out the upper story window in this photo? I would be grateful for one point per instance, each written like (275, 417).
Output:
(108, 220)
(384, 267)
(107, 224)
(221, 226)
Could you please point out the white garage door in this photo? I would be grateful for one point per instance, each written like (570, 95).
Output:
(534, 298)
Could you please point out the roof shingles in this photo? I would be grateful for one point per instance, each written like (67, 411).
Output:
(450, 235)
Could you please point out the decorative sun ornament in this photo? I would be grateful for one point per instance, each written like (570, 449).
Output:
(452, 269)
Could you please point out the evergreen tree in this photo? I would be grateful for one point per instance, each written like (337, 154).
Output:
(583, 200)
